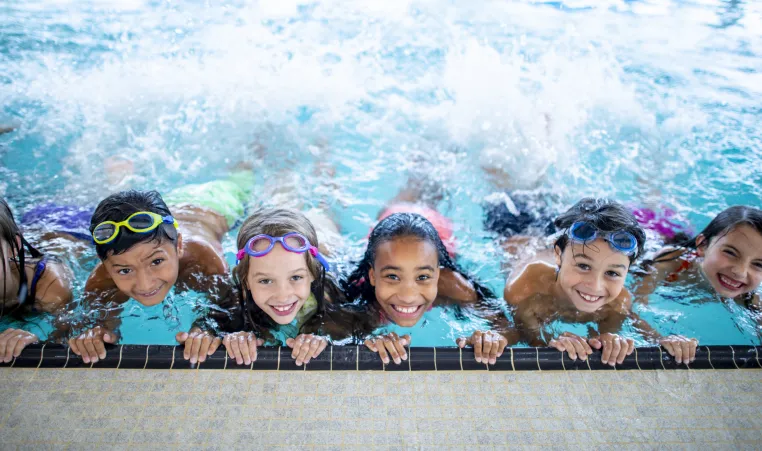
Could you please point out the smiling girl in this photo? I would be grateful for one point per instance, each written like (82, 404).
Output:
(282, 282)
(406, 270)
(726, 257)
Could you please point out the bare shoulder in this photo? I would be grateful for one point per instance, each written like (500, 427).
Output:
(533, 279)
(200, 256)
(54, 288)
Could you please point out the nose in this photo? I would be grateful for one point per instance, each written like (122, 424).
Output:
(144, 281)
(595, 283)
(408, 294)
(284, 293)
(739, 272)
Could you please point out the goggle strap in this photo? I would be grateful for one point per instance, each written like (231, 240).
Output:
(240, 254)
(314, 252)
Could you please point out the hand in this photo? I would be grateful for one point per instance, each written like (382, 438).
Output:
(90, 344)
(574, 345)
(615, 348)
(681, 348)
(390, 344)
(12, 342)
(306, 347)
(198, 344)
(242, 346)
(488, 346)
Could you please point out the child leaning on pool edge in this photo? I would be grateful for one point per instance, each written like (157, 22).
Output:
(282, 282)
(145, 250)
(399, 279)
(581, 280)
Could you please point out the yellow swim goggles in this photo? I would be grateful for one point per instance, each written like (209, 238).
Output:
(139, 222)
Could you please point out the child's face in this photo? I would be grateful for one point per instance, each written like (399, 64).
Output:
(280, 283)
(591, 275)
(405, 274)
(146, 271)
(733, 262)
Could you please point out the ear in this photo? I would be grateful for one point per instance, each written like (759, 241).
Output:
(701, 244)
(558, 253)
(372, 277)
(180, 247)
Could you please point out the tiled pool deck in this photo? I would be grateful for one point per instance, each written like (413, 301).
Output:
(83, 408)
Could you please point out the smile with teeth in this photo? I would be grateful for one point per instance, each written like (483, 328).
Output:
(406, 310)
(729, 283)
(589, 298)
(284, 310)
(150, 293)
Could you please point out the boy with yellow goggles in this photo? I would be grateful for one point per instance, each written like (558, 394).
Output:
(138, 222)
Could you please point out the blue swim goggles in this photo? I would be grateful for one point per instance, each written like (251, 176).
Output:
(624, 242)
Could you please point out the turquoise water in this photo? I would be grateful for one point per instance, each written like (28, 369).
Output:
(650, 102)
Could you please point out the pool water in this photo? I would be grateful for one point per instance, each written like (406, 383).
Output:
(651, 102)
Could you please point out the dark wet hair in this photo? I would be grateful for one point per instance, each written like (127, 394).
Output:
(9, 232)
(605, 215)
(118, 207)
(721, 225)
(398, 225)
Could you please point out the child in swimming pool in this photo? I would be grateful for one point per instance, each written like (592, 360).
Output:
(401, 277)
(726, 256)
(582, 280)
(146, 249)
(282, 282)
(32, 282)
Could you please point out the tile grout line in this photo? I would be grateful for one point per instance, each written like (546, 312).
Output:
(637, 363)
(661, 359)
(435, 359)
(119, 363)
(513, 367)
(537, 358)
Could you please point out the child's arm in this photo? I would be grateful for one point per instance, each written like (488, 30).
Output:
(54, 289)
(104, 302)
(455, 287)
(657, 274)
(523, 292)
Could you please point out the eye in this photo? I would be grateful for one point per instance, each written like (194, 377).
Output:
(583, 266)
(424, 277)
(730, 252)
(757, 265)
(265, 281)
(157, 262)
(391, 277)
(124, 271)
(613, 274)
(296, 278)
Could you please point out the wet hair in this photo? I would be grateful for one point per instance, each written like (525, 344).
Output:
(278, 222)
(721, 225)
(605, 215)
(9, 233)
(118, 207)
(399, 225)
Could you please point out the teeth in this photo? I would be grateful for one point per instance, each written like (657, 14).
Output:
(283, 308)
(589, 298)
(405, 309)
(730, 282)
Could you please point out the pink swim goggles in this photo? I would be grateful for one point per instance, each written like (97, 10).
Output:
(261, 245)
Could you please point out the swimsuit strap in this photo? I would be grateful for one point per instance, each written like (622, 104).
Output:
(685, 264)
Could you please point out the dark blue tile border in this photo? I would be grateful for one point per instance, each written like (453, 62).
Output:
(359, 358)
